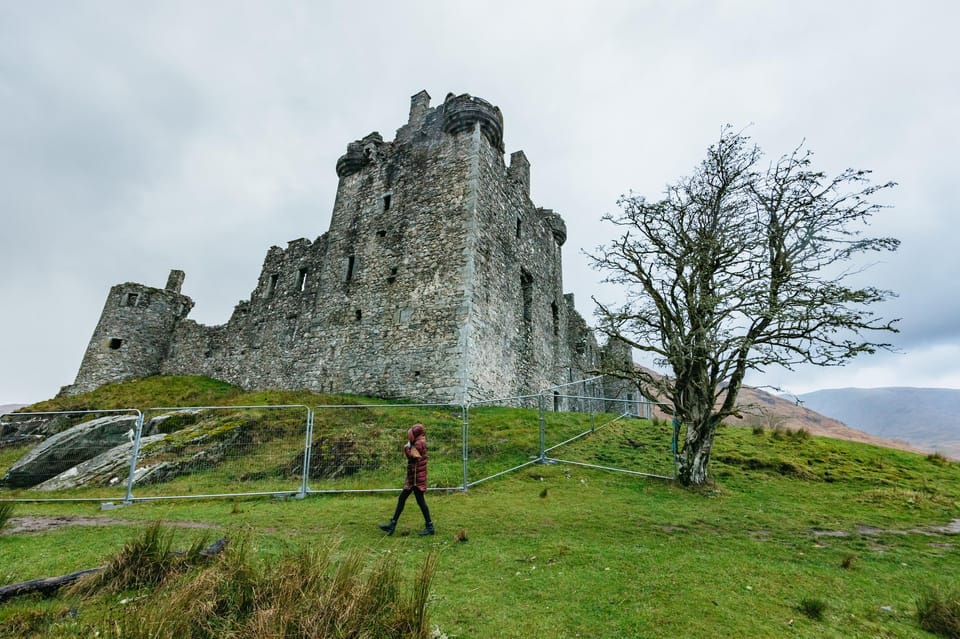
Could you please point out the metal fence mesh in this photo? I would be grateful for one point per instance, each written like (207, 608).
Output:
(502, 435)
(213, 450)
(359, 447)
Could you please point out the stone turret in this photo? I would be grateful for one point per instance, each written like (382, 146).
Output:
(462, 112)
(134, 334)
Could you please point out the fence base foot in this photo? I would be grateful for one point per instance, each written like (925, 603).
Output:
(109, 505)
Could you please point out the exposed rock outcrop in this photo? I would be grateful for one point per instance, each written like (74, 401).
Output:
(66, 449)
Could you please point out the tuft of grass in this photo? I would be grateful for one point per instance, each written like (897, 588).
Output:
(6, 512)
(813, 607)
(848, 560)
(758, 429)
(308, 593)
(147, 561)
(938, 459)
(939, 613)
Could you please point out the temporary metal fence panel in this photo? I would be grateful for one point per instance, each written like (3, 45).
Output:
(205, 451)
(502, 435)
(622, 436)
(67, 455)
(359, 447)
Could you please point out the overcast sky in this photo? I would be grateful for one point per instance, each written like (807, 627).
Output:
(136, 138)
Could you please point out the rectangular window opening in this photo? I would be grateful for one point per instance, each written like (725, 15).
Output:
(555, 311)
(518, 227)
(351, 266)
(132, 299)
(115, 343)
(272, 285)
(302, 280)
(386, 202)
(526, 290)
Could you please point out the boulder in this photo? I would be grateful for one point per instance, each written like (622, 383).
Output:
(106, 469)
(69, 448)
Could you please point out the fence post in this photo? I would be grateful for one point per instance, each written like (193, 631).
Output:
(128, 498)
(543, 427)
(465, 419)
(307, 450)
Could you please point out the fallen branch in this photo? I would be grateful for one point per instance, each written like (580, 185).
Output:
(46, 586)
(49, 585)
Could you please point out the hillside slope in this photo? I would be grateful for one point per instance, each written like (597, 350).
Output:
(763, 408)
(926, 417)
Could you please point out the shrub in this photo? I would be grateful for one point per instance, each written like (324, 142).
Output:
(939, 613)
(813, 607)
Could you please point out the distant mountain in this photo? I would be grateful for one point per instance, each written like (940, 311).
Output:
(758, 407)
(9, 408)
(928, 418)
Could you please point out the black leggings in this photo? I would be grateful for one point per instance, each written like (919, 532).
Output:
(420, 502)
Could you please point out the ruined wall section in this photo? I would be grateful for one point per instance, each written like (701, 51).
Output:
(260, 344)
(585, 352)
(133, 336)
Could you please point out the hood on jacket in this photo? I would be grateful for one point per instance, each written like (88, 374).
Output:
(417, 431)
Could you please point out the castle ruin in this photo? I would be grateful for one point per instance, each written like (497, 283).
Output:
(438, 280)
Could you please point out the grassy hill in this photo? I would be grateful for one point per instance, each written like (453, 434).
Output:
(799, 536)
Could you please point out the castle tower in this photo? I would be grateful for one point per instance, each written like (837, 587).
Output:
(133, 335)
(438, 280)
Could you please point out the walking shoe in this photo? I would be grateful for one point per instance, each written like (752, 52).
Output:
(389, 528)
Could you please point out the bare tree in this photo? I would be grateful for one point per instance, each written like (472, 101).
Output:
(741, 266)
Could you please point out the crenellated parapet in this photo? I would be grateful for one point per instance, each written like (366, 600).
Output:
(463, 112)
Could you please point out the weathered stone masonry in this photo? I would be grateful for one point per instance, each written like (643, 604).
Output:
(438, 280)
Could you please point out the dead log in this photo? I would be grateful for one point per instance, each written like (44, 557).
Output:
(47, 586)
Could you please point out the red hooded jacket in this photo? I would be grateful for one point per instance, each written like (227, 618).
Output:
(416, 453)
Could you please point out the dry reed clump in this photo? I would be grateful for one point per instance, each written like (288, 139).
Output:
(309, 593)
(146, 562)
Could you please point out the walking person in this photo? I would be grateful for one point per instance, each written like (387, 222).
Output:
(416, 482)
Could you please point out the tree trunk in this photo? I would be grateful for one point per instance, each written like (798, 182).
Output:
(695, 456)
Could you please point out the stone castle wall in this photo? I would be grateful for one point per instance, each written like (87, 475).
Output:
(438, 280)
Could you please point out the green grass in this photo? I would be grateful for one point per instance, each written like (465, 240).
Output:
(791, 525)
